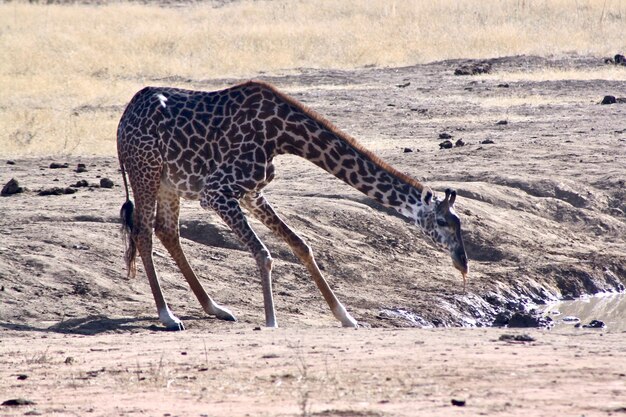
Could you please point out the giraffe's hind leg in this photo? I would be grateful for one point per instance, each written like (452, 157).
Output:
(262, 210)
(168, 232)
(145, 191)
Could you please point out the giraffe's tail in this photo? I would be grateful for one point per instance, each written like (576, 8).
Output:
(126, 215)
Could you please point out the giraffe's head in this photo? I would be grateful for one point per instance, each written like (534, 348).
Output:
(443, 226)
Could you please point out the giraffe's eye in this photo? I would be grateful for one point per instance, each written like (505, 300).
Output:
(441, 223)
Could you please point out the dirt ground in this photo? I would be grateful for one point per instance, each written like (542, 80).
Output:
(233, 370)
(542, 200)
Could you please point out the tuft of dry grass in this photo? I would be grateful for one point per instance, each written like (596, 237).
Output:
(66, 70)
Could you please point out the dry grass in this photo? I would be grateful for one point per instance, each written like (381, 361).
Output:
(66, 70)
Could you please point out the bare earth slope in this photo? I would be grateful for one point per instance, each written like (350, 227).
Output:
(543, 207)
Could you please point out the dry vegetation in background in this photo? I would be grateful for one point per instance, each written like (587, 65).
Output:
(67, 70)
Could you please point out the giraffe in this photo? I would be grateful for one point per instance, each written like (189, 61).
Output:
(218, 147)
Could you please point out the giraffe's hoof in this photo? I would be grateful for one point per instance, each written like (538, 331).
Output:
(226, 315)
(349, 321)
(175, 327)
(223, 313)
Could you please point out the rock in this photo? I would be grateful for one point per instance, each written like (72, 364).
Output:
(504, 85)
(9, 162)
(608, 100)
(457, 403)
(516, 338)
(18, 402)
(406, 84)
(407, 150)
(487, 142)
(446, 144)
(445, 135)
(80, 184)
(57, 165)
(502, 319)
(22, 377)
(618, 59)
(106, 183)
(56, 191)
(81, 168)
(473, 69)
(502, 123)
(595, 324)
(570, 319)
(11, 187)
(459, 143)
(522, 320)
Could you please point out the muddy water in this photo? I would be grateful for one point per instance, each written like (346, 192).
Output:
(609, 308)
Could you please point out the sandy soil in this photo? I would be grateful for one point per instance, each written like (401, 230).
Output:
(543, 208)
(232, 370)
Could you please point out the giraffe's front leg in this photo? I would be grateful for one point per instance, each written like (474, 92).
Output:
(263, 211)
(229, 210)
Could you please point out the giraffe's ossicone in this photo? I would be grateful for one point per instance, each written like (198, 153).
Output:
(218, 148)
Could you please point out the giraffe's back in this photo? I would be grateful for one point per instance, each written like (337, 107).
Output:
(189, 134)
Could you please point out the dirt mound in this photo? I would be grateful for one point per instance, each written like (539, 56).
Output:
(542, 209)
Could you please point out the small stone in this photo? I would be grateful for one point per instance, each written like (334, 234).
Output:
(9, 162)
(56, 191)
(595, 324)
(81, 168)
(80, 184)
(106, 183)
(516, 338)
(457, 403)
(445, 135)
(16, 402)
(504, 85)
(406, 84)
(608, 100)
(69, 360)
(571, 319)
(502, 123)
(459, 143)
(520, 319)
(446, 144)
(487, 142)
(11, 187)
(22, 377)
(407, 150)
(57, 165)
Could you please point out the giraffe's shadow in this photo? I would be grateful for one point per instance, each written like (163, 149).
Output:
(91, 325)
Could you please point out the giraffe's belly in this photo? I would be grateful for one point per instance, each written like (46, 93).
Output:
(187, 185)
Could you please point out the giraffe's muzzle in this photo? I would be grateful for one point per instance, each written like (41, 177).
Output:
(459, 259)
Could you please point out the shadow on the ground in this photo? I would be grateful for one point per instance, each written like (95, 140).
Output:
(91, 325)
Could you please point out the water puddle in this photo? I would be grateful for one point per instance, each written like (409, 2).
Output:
(608, 308)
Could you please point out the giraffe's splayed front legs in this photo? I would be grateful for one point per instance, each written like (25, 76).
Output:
(263, 211)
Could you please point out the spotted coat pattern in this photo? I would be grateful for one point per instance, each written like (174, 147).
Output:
(218, 148)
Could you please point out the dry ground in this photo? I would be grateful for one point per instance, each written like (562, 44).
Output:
(543, 211)
(232, 370)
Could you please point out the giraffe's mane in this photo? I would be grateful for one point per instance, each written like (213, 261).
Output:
(341, 135)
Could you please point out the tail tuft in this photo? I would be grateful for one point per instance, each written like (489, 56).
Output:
(126, 215)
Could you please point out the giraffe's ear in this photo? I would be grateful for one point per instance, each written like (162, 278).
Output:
(452, 198)
(427, 196)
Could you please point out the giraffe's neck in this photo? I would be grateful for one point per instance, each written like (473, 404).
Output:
(316, 140)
